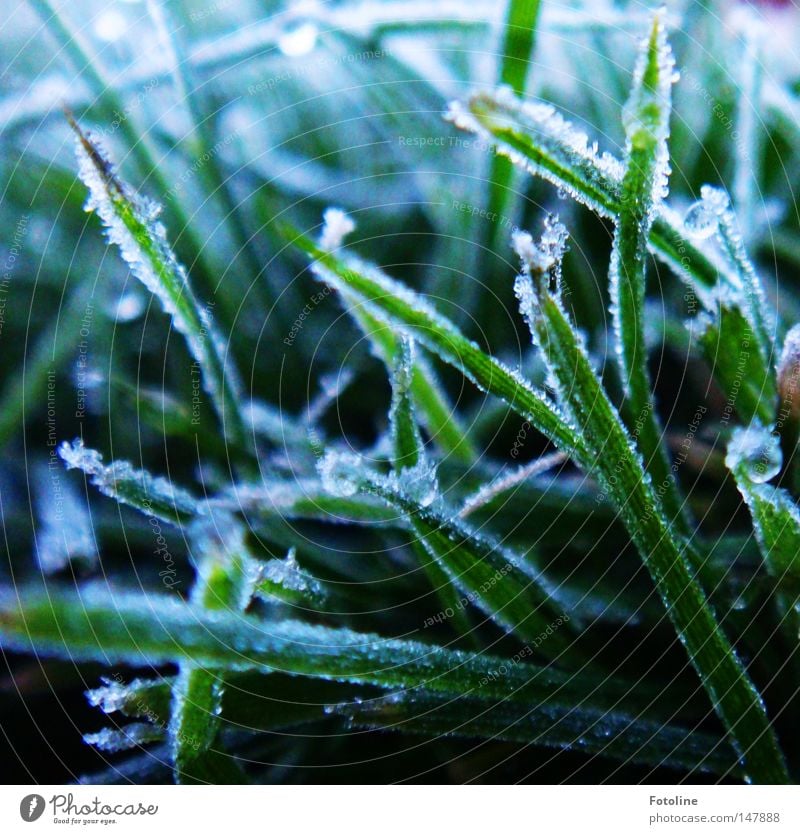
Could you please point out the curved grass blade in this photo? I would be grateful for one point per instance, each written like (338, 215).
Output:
(535, 136)
(154, 496)
(132, 224)
(619, 468)
(643, 188)
(285, 580)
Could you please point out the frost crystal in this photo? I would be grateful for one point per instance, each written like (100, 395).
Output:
(287, 576)
(65, 529)
(111, 696)
(757, 451)
(541, 265)
(125, 738)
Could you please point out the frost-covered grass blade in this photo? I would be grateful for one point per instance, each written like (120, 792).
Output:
(404, 309)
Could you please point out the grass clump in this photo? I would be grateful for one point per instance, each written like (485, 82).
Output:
(354, 503)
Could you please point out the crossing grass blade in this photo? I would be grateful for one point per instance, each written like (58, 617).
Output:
(537, 137)
(151, 630)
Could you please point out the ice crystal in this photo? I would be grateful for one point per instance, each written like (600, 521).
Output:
(342, 473)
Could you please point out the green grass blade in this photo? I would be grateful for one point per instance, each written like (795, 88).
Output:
(154, 496)
(435, 411)
(754, 458)
(131, 224)
(187, 89)
(746, 282)
(728, 342)
(619, 468)
(408, 312)
(644, 185)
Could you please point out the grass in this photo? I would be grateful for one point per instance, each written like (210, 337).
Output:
(449, 434)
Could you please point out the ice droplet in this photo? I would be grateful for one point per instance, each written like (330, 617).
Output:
(341, 473)
(758, 451)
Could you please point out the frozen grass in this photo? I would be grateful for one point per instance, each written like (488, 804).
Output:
(383, 509)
